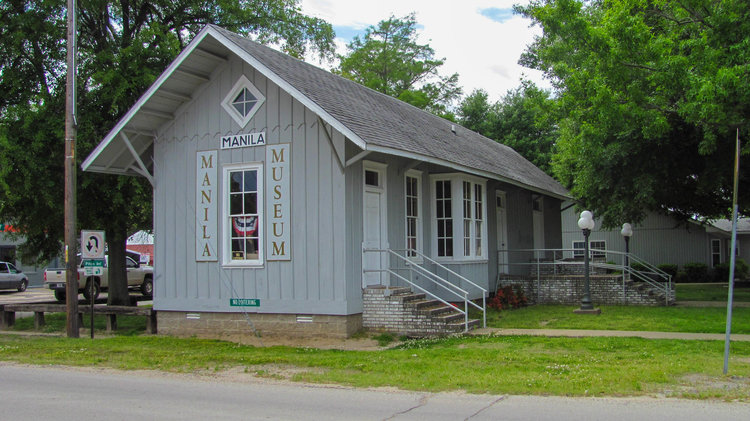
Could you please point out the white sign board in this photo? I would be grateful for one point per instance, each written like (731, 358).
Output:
(206, 219)
(243, 140)
(278, 210)
(92, 244)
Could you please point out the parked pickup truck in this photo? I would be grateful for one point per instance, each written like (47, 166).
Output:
(139, 276)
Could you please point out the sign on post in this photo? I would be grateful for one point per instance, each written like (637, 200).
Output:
(92, 245)
(93, 267)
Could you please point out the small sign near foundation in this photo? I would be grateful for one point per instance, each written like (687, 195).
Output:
(244, 302)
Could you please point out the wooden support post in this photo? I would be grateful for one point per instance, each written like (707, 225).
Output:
(151, 323)
(8, 319)
(38, 320)
(111, 322)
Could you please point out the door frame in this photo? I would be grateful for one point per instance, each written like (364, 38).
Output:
(502, 263)
(382, 190)
(537, 215)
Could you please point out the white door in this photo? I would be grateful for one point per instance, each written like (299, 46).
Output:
(502, 233)
(374, 226)
(538, 222)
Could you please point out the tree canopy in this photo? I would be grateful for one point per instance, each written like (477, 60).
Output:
(653, 94)
(389, 59)
(524, 119)
(123, 46)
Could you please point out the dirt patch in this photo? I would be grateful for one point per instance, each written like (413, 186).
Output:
(349, 344)
(703, 386)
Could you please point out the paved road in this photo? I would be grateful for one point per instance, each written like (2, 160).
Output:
(65, 394)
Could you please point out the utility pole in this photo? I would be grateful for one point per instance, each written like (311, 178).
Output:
(71, 269)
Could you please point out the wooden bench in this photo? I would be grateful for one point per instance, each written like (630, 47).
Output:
(8, 314)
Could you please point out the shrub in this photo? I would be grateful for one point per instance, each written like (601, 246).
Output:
(721, 272)
(637, 267)
(669, 268)
(681, 277)
(696, 272)
(508, 297)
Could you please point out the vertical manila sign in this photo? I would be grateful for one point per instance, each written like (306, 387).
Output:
(206, 222)
(278, 246)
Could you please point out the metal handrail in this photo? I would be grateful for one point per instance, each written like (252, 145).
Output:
(459, 276)
(641, 275)
(435, 279)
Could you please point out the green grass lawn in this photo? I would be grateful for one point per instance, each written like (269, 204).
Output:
(709, 292)
(512, 364)
(663, 319)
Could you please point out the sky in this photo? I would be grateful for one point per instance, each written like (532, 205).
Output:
(481, 40)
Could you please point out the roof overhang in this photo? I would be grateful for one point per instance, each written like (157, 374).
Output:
(128, 147)
(463, 168)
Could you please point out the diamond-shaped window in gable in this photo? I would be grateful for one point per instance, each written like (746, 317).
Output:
(243, 101)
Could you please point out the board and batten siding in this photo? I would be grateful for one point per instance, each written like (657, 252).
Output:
(314, 281)
(483, 273)
(657, 239)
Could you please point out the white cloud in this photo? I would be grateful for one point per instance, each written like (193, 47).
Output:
(484, 52)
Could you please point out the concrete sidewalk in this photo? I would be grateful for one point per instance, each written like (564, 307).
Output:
(580, 333)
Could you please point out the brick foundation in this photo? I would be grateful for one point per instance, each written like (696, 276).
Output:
(569, 289)
(232, 326)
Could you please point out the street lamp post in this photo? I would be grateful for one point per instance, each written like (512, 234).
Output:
(627, 232)
(586, 224)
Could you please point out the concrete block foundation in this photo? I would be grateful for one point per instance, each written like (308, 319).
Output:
(231, 326)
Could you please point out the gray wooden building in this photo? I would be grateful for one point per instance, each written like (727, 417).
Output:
(271, 176)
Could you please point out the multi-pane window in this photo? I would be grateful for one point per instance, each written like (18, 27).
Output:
(594, 247)
(715, 252)
(413, 215)
(244, 102)
(244, 214)
(444, 217)
(478, 219)
(465, 216)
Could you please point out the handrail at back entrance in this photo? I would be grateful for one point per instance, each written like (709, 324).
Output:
(450, 288)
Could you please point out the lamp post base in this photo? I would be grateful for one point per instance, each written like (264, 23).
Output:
(587, 311)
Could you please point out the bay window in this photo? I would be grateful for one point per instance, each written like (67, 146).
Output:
(462, 220)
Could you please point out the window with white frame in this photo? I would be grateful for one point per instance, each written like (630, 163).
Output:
(243, 101)
(715, 251)
(594, 246)
(413, 212)
(461, 220)
(243, 214)
(443, 210)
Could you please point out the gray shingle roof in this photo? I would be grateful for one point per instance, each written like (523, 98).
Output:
(384, 121)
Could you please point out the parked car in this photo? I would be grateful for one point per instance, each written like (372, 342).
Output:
(12, 278)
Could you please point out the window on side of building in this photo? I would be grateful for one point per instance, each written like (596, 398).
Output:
(715, 252)
(462, 220)
(594, 246)
(413, 211)
(243, 214)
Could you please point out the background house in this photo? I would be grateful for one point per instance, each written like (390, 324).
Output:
(283, 191)
(659, 239)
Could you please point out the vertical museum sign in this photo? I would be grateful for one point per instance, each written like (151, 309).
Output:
(278, 210)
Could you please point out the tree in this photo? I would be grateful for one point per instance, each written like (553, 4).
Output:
(653, 94)
(524, 119)
(123, 47)
(388, 59)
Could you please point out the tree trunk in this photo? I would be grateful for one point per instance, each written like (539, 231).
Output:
(118, 281)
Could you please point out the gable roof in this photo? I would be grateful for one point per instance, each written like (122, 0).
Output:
(371, 120)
